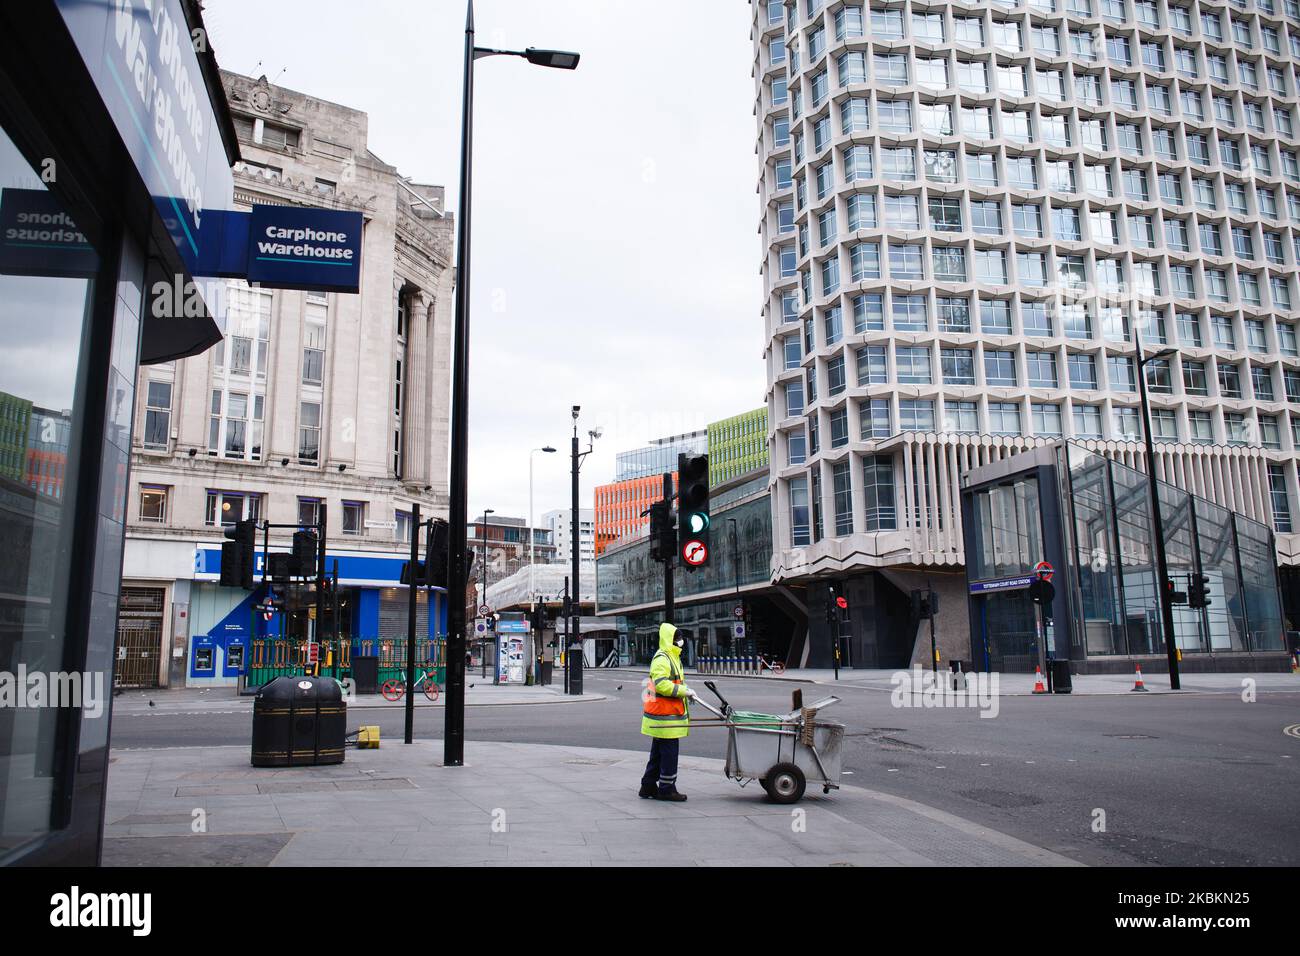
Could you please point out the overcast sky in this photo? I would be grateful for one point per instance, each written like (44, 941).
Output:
(614, 207)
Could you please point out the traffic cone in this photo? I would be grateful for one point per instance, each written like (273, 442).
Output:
(1038, 681)
(1295, 663)
(1137, 684)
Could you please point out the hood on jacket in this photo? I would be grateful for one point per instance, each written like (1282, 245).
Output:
(666, 633)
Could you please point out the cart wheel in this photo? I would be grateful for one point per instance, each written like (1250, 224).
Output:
(786, 783)
(392, 690)
(431, 690)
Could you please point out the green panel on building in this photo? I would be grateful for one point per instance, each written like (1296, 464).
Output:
(737, 445)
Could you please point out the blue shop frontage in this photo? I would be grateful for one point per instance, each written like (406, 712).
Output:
(243, 638)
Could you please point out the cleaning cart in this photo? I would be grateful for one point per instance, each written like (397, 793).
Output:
(783, 752)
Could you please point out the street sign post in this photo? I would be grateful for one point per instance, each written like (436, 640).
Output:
(1042, 592)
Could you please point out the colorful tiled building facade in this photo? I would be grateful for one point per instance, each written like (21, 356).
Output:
(737, 445)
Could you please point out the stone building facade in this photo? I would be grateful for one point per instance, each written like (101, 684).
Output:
(312, 398)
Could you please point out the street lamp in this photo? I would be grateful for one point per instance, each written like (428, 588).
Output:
(532, 535)
(458, 506)
(1157, 520)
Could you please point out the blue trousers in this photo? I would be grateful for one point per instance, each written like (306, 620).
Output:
(662, 768)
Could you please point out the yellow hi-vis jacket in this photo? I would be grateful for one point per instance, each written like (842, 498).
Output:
(665, 708)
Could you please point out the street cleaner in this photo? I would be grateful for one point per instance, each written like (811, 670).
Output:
(665, 715)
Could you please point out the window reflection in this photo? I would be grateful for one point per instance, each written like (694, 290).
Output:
(46, 272)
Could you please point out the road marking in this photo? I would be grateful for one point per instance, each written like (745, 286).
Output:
(1292, 731)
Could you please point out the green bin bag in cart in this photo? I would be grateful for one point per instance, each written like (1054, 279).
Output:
(754, 717)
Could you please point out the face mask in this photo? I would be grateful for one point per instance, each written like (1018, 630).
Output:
(679, 643)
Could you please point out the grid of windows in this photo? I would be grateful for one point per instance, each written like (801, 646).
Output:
(1039, 208)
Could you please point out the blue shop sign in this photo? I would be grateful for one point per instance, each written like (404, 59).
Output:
(285, 247)
(355, 569)
(142, 59)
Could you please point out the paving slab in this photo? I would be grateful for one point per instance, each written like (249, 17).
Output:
(511, 804)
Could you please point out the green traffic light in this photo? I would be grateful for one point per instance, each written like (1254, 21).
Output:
(697, 522)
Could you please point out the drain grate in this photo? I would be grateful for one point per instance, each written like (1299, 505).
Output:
(1131, 736)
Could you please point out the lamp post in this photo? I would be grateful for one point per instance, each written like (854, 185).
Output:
(458, 506)
(573, 664)
(532, 535)
(486, 524)
(1157, 520)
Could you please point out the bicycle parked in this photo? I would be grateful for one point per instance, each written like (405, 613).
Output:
(775, 666)
(394, 689)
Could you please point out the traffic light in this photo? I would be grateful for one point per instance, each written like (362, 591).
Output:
(1198, 591)
(237, 555)
(405, 576)
(304, 554)
(280, 567)
(1175, 596)
(925, 603)
(437, 553)
(663, 537)
(693, 509)
(836, 605)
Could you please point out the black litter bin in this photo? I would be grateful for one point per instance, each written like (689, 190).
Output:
(547, 669)
(1059, 676)
(365, 674)
(299, 722)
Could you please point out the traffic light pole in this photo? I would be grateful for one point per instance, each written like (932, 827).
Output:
(671, 557)
(320, 588)
(1157, 522)
(412, 592)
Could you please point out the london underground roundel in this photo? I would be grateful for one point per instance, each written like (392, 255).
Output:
(695, 553)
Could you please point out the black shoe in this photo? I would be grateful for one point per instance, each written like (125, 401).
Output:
(672, 796)
(647, 791)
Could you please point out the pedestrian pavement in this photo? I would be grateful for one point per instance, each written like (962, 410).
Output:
(509, 805)
(224, 700)
(1020, 685)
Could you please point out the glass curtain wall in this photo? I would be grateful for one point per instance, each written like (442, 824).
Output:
(1119, 606)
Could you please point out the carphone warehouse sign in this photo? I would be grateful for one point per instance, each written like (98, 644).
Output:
(305, 248)
(143, 60)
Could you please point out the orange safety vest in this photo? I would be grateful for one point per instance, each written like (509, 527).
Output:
(656, 704)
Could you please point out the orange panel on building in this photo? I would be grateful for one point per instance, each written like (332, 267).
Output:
(619, 507)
